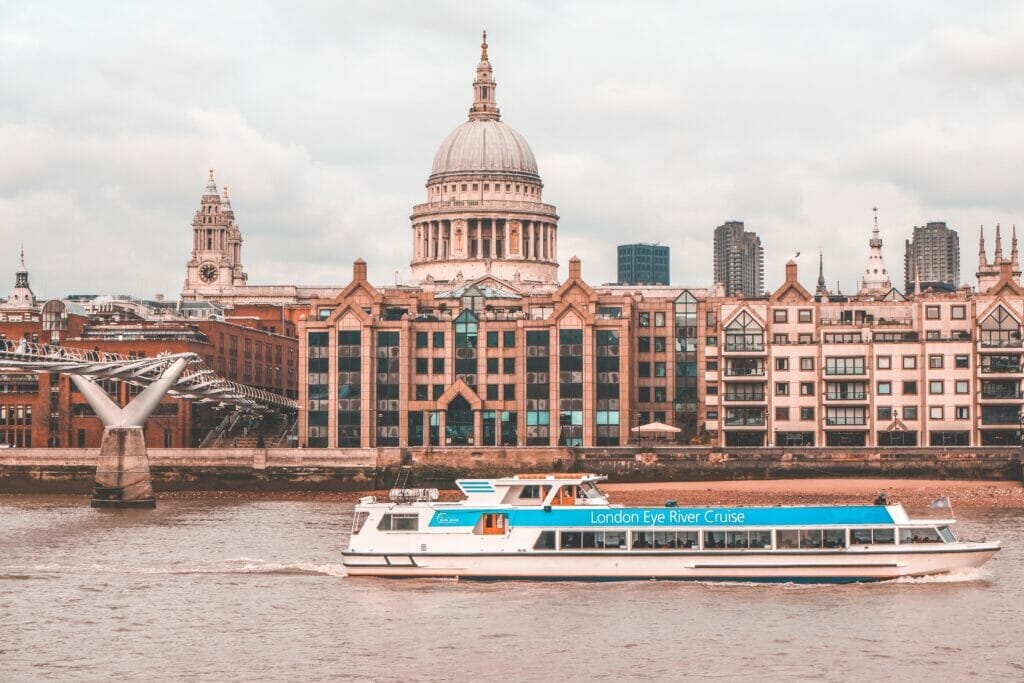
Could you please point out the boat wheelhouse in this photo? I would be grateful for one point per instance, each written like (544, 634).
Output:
(559, 526)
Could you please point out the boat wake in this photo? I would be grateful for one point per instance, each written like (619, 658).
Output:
(241, 565)
(956, 576)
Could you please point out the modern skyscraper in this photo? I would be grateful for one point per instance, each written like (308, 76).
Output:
(739, 260)
(643, 264)
(934, 251)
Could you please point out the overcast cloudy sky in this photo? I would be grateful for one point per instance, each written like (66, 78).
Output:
(650, 121)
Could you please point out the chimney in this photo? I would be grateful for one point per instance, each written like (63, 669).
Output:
(574, 268)
(359, 270)
(790, 271)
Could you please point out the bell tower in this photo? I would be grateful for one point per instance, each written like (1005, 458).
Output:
(216, 264)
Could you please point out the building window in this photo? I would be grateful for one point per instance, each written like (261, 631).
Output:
(437, 391)
(910, 388)
(884, 412)
(910, 413)
(712, 365)
(421, 340)
(659, 394)
(438, 366)
(421, 366)
(712, 389)
(509, 339)
(807, 363)
(839, 365)
(643, 369)
(935, 412)
(807, 388)
(492, 339)
(806, 414)
(643, 344)
(508, 365)
(963, 413)
(805, 338)
(659, 319)
(962, 361)
(935, 362)
(439, 340)
(883, 362)
(782, 388)
(935, 386)
(492, 392)
(492, 366)
(659, 370)
(781, 413)
(779, 338)
(804, 315)
(509, 392)
(909, 362)
(645, 319)
(711, 341)
(659, 345)
(958, 312)
(643, 394)
(782, 364)
(931, 312)
(421, 392)
(961, 386)
(933, 335)
(780, 315)
(884, 388)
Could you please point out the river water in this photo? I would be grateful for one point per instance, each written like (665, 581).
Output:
(222, 590)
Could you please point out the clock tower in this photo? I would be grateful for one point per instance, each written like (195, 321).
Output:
(215, 268)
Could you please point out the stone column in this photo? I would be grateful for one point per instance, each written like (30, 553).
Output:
(478, 428)
(442, 423)
(493, 234)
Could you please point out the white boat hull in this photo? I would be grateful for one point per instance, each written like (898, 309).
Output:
(854, 564)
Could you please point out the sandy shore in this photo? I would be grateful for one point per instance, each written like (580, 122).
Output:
(914, 493)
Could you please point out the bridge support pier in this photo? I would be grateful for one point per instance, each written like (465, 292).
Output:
(122, 471)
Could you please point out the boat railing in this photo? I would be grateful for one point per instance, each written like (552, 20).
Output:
(413, 495)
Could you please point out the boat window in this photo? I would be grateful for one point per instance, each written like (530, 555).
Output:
(603, 540)
(788, 538)
(590, 491)
(391, 522)
(570, 539)
(923, 535)
(810, 538)
(737, 539)
(532, 492)
(664, 540)
(835, 538)
(883, 535)
(714, 539)
(860, 536)
(760, 539)
(947, 535)
(546, 541)
(869, 536)
(358, 521)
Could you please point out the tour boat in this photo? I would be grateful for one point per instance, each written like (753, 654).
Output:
(561, 526)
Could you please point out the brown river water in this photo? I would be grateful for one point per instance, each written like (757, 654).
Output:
(225, 590)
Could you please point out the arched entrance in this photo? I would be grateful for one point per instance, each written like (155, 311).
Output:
(459, 422)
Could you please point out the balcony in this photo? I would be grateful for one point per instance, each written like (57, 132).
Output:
(1001, 393)
(846, 421)
(745, 421)
(744, 347)
(461, 204)
(744, 372)
(745, 398)
(1000, 369)
(846, 396)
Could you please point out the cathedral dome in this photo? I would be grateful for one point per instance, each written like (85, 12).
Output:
(484, 146)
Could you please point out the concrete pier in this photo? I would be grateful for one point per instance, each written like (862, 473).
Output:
(122, 470)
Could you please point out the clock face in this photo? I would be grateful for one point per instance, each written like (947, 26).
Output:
(208, 272)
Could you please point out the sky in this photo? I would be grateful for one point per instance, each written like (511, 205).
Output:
(652, 121)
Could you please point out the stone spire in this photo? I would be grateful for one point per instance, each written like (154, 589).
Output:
(21, 295)
(876, 277)
(225, 202)
(211, 186)
(820, 289)
(484, 104)
(917, 278)
(1014, 254)
(982, 257)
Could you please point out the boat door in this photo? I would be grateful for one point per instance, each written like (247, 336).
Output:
(494, 523)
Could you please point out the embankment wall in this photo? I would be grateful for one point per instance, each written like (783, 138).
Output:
(71, 470)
